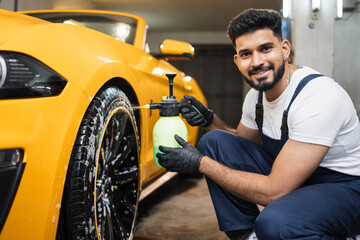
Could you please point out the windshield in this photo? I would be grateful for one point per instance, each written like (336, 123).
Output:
(122, 28)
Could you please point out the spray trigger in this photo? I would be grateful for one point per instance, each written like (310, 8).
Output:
(184, 100)
(189, 102)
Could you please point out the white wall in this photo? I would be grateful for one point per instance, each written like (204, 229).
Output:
(347, 54)
(331, 46)
(313, 43)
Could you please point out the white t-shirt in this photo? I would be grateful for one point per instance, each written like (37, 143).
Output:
(322, 113)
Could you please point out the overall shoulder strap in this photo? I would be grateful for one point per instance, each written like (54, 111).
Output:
(259, 112)
(302, 84)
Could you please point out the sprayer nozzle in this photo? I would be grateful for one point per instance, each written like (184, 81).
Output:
(153, 106)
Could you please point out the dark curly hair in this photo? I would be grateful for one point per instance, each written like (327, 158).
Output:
(254, 19)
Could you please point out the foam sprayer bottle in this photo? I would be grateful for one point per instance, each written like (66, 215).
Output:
(169, 123)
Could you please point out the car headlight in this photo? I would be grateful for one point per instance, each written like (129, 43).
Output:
(22, 77)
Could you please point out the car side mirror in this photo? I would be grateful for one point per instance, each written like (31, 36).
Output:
(175, 50)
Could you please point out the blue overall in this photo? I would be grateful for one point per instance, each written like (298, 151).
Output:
(327, 206)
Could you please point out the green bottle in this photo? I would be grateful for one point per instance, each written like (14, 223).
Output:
(169, 123)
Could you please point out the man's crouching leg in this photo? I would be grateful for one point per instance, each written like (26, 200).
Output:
(235, 215)
(320, 211)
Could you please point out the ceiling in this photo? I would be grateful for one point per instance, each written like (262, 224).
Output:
(184, 15)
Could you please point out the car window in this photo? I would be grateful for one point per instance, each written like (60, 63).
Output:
(122, 28)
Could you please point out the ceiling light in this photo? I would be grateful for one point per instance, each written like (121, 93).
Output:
(315, 5)
(287, 9)
(339, 9)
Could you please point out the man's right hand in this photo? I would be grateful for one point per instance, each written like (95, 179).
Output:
(195, 113)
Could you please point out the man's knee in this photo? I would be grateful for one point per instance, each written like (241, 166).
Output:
(235, 151)
(271, 224)
(211, 140)
(212, 136)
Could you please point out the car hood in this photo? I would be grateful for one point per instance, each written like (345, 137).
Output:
(12, 24)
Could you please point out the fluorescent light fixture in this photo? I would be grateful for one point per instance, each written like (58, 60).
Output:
(339, 9)
(315, 5)
(287, 9)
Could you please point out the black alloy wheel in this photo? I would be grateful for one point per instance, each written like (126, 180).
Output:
(102, 186)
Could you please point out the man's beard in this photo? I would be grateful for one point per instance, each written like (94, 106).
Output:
(264, 86)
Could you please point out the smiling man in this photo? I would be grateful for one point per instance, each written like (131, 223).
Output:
(296, 150)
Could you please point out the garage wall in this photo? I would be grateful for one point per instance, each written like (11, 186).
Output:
(8, 4)
(329, 45)
(32, 5)
(21, 5)
(313, 43)
(73, 4)
(347, 54)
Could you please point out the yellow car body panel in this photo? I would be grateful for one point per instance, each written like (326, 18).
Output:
(37, 202)
(46, 128)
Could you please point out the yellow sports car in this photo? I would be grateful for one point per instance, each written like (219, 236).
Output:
(76, 147)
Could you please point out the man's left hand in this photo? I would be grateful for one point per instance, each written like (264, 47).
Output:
(185, 160)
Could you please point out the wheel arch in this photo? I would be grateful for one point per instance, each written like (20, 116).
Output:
(129, 91)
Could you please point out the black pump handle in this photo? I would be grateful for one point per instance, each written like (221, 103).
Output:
(171, 77)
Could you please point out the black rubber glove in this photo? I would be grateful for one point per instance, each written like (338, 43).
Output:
(185, 160)
(195, 113)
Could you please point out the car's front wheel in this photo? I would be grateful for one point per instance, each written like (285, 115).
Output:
(102, 185)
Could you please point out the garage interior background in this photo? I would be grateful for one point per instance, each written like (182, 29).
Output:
(320, 39)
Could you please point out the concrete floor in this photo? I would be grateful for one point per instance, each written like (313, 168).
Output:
(180, 209)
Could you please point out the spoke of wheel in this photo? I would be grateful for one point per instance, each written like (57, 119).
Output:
(124, 124)
(126, 202)
(114, 130)
(120, 178)
(128, 147)
(118, 136)
(106, 144)
(118, 227)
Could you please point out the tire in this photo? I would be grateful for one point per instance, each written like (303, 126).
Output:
(102, 185)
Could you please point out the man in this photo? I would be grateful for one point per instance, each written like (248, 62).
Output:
(303, 163)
